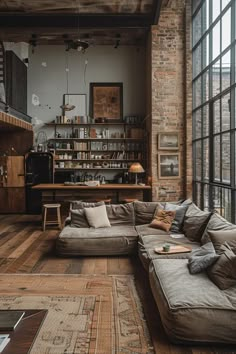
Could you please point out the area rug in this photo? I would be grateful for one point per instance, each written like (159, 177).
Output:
(86, 314)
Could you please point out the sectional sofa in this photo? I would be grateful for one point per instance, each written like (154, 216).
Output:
(195, 297)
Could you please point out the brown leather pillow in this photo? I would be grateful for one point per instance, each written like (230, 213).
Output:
(222, 273)
(163, 219)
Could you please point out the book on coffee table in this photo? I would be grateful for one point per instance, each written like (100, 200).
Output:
(4, 340)
(10, 319)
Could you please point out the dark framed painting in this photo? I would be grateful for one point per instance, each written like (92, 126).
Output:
(168, 165)
(106, 100)
(168, 141)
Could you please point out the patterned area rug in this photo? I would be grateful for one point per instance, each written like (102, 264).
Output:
(86, 314)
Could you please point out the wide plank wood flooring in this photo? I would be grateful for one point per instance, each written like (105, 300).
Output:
(25, 248)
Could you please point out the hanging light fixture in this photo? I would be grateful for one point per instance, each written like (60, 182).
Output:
(77, 44)
(67, 106)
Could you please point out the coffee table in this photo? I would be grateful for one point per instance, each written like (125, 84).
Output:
(22, 338)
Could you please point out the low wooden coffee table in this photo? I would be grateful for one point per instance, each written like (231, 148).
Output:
(22, 338)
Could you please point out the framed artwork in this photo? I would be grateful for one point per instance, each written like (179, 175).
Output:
(168, 141)
(106, 100)
(77, 100)
(168, 165)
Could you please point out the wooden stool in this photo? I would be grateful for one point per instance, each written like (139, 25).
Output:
(52, 222)
(129, 200)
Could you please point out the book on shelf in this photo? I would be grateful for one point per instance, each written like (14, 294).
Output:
(10, 319)
(4, 340)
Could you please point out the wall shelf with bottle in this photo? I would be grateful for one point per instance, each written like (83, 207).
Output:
(110, 146)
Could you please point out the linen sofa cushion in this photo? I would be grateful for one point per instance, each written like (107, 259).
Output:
(115, 240)
(79, 204)
(218, 238)
(162, 219)
(148, 242)
(195, 222)
(121, 214)
(177, 223)
(97, 217)
(192, 307)
(78, 218)
(202, 258)
(216, 222)
(223, 273)
(144, 211)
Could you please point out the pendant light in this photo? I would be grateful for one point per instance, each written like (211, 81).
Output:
(67, 106)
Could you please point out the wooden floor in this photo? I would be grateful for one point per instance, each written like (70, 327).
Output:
(25, 248)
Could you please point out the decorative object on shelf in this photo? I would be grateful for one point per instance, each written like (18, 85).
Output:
(168, 165)
(106, 101)
(168, 141)
(136, 168)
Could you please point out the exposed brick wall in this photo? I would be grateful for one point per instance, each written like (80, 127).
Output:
(171, 95)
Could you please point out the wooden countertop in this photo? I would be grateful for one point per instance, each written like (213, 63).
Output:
(61, 186)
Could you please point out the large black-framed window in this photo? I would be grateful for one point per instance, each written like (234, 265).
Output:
(214, 118)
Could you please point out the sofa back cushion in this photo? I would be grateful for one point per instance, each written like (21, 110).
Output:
(195, 222)
(218, 238)
(78, 218)
(177, 223)
(121, 214)
(144, 211)
(216, 223)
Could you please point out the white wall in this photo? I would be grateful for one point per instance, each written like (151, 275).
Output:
(47, 77)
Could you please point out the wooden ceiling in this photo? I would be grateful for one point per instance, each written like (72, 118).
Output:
(96, 21)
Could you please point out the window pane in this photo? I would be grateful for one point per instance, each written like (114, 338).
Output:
(217, 158)
(195, 4)
(198, 194)
(197, 28)
(206, 159)
(197, 124)
(226, 203)
(226, 30)
(197, 61)
(215, 9)
(225, 116)
(225, 70)
(205, 16)
(216, 193)
(216, 40)
(216, 116)
(198, 161)
(226, 158)
(197, 92)
(205, 51)
(206, 197)
(216, 78)
(224, 3)
(205, 120)
(205, 86)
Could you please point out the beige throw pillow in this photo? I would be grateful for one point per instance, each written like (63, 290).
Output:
(163, 219)
(97, 217)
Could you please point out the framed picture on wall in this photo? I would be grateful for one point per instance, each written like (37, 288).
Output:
(168, 165)
(106, 100)
(168, 141)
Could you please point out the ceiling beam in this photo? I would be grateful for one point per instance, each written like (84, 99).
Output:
(71, 20)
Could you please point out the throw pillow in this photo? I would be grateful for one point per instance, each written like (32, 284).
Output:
(222, 273)
(163, 219)
(97, 217)
(195, 222)
(78, 218)
(202, 258)
(180, 211)
(216, 223)
(144, 211)
(218, 238)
